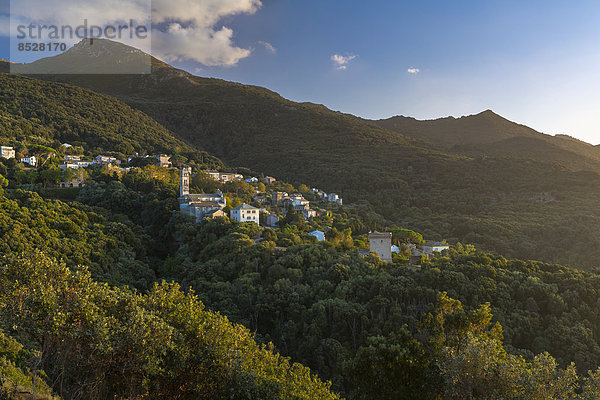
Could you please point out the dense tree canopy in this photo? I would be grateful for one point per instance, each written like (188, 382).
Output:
(96, 342)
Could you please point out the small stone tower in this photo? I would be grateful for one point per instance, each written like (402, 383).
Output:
(186, 173)
(381, 244)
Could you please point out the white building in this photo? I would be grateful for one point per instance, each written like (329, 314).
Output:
(319, 235)
(216, 175)
(300, 202)
(252, 180)
(319, 193)
(72, 158)
(223, 176)
(29, 160)
(334, 198)
(7, 152)
(75, 165)
(246, 213)
(163, 161)
(106, 160)
(434, 247)
(308, 213)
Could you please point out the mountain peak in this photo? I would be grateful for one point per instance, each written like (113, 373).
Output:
(488, 113)
(485, 127)
(95, 57)
(102, 47)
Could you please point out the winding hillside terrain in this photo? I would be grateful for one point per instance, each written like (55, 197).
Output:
(532, 207)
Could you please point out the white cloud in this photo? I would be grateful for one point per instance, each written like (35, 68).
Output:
(182, 29)
(413, 71)
(341, 62)
(192, 31)
(205, 45)
(268, 46)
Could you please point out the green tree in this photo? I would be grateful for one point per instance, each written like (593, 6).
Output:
(204, 183)
(393, 367)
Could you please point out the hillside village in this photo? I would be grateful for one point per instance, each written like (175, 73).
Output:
(268, 203)
(138, 265)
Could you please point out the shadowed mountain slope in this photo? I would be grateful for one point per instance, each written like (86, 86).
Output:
(521, 205)
(488, 134)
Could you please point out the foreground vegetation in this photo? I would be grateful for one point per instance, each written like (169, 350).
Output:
(93, 341)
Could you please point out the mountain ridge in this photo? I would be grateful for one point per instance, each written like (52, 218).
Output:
(480, 134)
(489, 134)
(492, 200)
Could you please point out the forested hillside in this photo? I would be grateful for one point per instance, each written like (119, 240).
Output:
(518, 208)
(111, 292)
(114, 249)
(49, 114)
(65, 331)
(484, 128)
(345, 316)
(377, 330)
(531, 208)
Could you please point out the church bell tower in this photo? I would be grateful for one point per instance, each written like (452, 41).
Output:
(184, 190)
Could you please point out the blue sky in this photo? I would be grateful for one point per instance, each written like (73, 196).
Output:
(534, 62)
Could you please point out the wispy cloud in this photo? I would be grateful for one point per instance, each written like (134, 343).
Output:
(268, 46)
(341, 62)
(413, 71)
